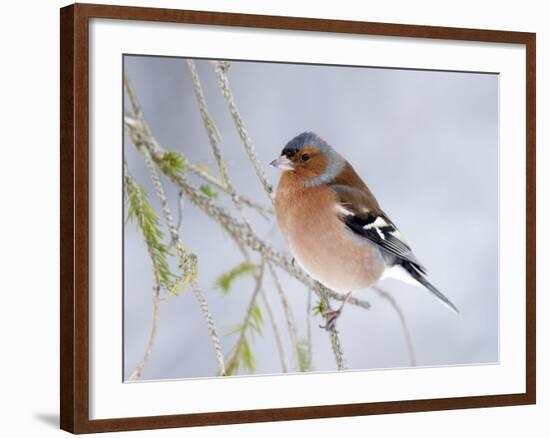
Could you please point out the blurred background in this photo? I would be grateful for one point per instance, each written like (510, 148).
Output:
(426, 142)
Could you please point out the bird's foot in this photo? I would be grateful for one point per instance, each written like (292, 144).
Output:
(331, 316)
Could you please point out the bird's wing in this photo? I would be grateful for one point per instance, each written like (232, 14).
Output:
(372, 224)
(365, 219)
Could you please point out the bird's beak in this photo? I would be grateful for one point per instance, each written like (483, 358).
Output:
(282, 163)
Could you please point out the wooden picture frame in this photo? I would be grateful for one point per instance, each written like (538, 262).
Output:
(75, 237)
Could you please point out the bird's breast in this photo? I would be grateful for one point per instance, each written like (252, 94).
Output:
(321, 242)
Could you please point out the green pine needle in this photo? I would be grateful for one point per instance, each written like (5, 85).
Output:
(172, 163)
(225, 280)
(208, 191)
(247, 357)
(146, 219)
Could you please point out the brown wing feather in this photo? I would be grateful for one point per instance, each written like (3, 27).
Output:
(354, 193)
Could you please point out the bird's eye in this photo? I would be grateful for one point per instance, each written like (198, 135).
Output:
(305, 157)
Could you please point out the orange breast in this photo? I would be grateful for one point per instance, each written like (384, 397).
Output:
(320, 241)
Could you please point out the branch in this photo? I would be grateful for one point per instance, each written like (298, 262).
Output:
(180, 211)
(308, 324)
(156, 257)
(214, 139)
(269, 308)
(234, 361)
(276, 332)
(187, 262)
(136, 374)
(211, 129)
(203, 304)
(208, 177)
(335, 342)
(220, 70)
(408, 339)
(289, 318)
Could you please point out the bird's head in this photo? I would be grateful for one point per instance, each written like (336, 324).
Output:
(311, 159)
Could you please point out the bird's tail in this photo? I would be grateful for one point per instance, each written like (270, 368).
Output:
(418, 276)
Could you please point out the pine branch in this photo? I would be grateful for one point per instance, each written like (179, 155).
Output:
(333, 333)
(276, 331)
(408, 339)
(131, 122)
(225, 280)
(212, 131)
(136, 374)
(269, 308)
(309, 345)
(188, 262)
(144, 214)
(146, 218)
(214, 139)
(242, 353)
(220, 69)
(172, 165)
(208, 177)
(289, 317)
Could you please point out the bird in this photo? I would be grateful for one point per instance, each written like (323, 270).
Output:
(335, 227)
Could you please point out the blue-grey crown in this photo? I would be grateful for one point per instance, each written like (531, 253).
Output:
(302, 140)
(335, 160)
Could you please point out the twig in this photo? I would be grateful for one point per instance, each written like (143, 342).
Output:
(214, 136)
(186, 262)
(334, 338)
(180, 211)
(289, 318)
(308, 325)
(267, 303)
(248, 315)
(201, 298)
(214, 139)
(136, 108)
(128, 182)
(210, 126)
(408, 339)
(136, 374)
(276, 331)
(211, 179)
(220, 70)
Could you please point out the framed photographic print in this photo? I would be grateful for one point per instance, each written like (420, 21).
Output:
(274, 218)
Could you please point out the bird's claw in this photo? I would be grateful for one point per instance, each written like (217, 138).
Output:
(330, 317)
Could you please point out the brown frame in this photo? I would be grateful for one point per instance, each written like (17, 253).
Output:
(74, 354)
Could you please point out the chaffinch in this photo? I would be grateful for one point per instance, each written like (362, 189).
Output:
(334, 225)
